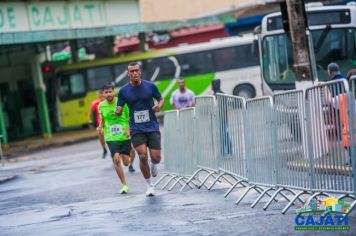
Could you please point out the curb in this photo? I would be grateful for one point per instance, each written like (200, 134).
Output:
(48, 145)
(7, 178)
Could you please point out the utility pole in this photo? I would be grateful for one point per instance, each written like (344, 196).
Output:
(143, 44)
(300, 46)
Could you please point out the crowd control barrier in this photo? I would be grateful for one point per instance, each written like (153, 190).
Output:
(297, 145)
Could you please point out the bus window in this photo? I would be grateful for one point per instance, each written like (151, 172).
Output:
(159, 69)
(196, 63)
(225, 59)
(71, 85)
(120, 74)
(247, 56)
(337, 45)
(277, 60)
(98, 77)
(237, 57)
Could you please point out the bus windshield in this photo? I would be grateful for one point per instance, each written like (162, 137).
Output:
(330, 45)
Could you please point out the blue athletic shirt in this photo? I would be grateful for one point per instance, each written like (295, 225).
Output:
(139, 99)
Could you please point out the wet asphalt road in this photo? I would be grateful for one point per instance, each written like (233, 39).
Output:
(72, 191)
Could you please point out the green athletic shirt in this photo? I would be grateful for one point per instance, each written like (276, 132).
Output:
(114, 126)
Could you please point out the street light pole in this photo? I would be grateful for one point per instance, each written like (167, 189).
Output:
(299, 38)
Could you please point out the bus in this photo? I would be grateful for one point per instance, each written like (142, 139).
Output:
(333, 33)
(234, 60)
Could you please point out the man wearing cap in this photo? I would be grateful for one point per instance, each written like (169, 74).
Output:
(334, 72)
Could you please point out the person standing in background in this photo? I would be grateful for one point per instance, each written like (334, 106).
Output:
(182, 97)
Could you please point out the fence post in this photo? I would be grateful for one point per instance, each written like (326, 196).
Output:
(1, 154)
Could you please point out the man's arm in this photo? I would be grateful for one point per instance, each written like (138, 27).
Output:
(192, 99)
(172, 99)
(118, 110)
(120, 103)
(101, 122)
(158, 97)
(90, 114)
(158, 106)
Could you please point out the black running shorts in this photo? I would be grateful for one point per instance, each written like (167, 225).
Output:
(122, 147)
(151, 139)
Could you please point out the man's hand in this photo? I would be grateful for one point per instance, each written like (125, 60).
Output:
(157, 108)
(118, 111)
(128, 133)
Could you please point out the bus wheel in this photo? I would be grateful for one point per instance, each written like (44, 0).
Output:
(245, 91)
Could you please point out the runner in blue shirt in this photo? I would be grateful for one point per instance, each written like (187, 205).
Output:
(138, 94)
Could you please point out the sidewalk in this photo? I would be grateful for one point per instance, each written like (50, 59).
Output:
(22, 147)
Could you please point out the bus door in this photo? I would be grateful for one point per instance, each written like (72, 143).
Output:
(73, 110)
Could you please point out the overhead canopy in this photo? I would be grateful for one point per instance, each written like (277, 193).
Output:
(44, 21)
(35, 22)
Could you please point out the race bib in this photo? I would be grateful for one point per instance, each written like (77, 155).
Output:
(115, 129)
(141, 116)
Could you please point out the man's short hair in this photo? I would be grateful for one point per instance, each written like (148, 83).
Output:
(109, 85)
(333, 67)
(134, 63)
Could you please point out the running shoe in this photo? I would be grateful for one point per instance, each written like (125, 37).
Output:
(124, 189)
(131, 169)
(153, 170)
(150, 191)
(105, 152)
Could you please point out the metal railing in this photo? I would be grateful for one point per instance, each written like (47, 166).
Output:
(296, 142)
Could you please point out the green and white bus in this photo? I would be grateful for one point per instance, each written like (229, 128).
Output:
(333, 33)
(234, 60)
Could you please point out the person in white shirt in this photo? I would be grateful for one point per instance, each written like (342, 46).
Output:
(182, 97)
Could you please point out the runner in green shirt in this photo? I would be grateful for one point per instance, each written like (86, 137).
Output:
(116, 133)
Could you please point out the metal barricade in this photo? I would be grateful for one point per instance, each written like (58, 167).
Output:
(204, 142)
(292, 157)
(170, 147)
(327, 155)
(352, 130)
(179, 157)
(230, 144)
(206, 132)
(349, 135)
(299, 141)
(260, 146)
(186, 160)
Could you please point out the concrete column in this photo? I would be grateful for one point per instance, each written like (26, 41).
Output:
(4, 140)
(40, 90)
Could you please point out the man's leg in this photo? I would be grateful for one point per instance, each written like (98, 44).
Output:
(139, 141)
(145, 169)
(154, 145)
(126, 159)
(155, 159)
(142, 154)
(132, 159)
(120, 172)
(102, 141)
(155, 156)
(118, 168)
